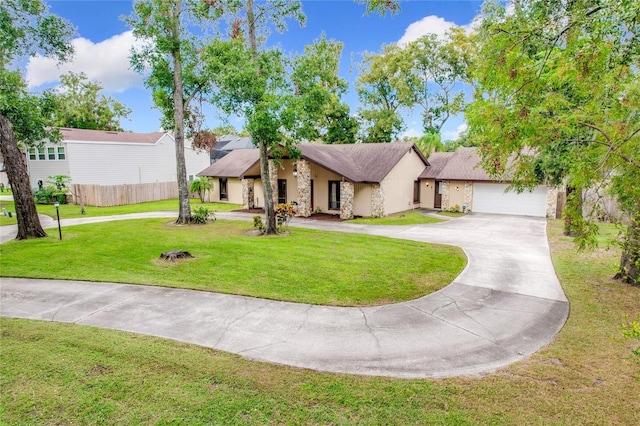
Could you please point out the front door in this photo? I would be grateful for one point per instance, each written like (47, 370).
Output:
(437, 202)
(312, 207)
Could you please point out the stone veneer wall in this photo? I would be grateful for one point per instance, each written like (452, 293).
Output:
(468, 195)
(377, 200)
(445, 195)
(247, 193)
(273, 181)
(304, 188)
(552, 202)
(347, 193)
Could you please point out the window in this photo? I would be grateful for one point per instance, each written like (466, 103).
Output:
(51, 153)
(282, 191)
(416, 191)
(61, 155)
(41, 154)
(334, 195)
(32, 153)
(223, 189)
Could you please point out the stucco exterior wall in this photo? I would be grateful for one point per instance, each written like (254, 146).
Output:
(362, 200)
(321, 178)
(456, 194)
(398, 184)
(427, 193)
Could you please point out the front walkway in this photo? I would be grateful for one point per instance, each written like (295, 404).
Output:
(503, 307)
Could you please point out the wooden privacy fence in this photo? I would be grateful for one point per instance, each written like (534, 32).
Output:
(120, 195)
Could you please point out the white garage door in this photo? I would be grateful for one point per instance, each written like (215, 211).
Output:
(491, 198)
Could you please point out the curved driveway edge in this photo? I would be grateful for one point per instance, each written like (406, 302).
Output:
(503, 307)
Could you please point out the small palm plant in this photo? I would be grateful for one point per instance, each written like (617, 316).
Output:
(200, 186)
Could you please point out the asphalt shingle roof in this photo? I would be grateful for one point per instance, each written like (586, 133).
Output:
(355, 162)
(85, 135)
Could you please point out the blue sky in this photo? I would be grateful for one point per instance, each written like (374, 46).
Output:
(103, 42)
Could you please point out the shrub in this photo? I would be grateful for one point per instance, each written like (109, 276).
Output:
(202, 215)
(455, 209)
(284, 212)
(258, 223)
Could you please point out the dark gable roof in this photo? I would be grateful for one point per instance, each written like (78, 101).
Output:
(437, 161)
(363, 163)
(84, 135)
(464, 164)
(234, 164)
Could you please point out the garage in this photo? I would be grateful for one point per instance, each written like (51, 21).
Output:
(492, 198)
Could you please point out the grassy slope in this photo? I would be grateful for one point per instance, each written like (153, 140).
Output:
(306, 266)
(82, 375)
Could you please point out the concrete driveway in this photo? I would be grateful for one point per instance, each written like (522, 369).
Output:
(503, 307)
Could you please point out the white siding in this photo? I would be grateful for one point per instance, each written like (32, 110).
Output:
(116, 163)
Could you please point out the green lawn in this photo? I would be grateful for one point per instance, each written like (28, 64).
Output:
(69, 211)
(83, 375)
(305, 266)
(410, 217)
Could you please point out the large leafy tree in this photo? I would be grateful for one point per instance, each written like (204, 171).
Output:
(282, 99)
(170, 57)
(26, 29)
(559, 79)
(377, 87)
(79, 105)
(425, 74)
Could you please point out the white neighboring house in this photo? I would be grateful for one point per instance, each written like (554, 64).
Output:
(97, 157)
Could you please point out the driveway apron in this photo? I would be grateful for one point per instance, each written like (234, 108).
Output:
(503, 307)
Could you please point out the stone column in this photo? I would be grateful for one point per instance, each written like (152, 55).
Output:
(377, 200)
(247, 193)
(468, 195)
(552, 202)
(304, 188)
(273, 181)
(445, 195)
(346, 200)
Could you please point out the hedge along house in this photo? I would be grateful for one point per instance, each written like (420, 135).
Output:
(368, 180)
(456, 180)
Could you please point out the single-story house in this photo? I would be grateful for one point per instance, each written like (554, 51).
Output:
(455, 180)
(369, 180)
(106, 159)
(373, 180)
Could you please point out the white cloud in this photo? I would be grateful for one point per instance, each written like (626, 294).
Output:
(106, 62)
(411, 133)
(450, 135)
(429, 24)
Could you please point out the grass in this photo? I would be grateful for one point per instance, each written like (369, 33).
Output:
(70, 211)
(305, 266)
(83, 375)
(410, 217)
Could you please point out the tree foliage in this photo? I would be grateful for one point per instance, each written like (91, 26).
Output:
(171, 59)
(424, 74)
(26, 29)
(559, 79)
(79, 104)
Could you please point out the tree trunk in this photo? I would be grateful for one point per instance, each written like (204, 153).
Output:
(629, 270)
(271, 227)
(26, 213)
(269, 208)
(184, 214)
